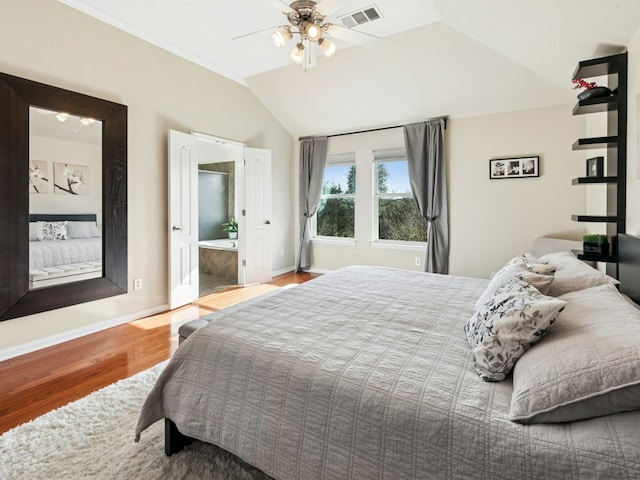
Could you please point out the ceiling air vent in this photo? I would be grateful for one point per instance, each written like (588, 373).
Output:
(360, 17)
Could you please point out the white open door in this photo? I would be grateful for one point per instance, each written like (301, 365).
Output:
(257, 220)
(183, 219)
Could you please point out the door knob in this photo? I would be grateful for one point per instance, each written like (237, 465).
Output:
(267, 222)
(174, 228)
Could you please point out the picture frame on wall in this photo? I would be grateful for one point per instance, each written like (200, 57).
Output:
(595, 167)
(71, 179)
(38, 177)
(516, 167)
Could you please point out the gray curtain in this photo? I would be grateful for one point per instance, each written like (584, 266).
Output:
(424, 143)
(313, 156)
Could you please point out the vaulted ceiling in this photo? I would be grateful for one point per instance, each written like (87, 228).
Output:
(436, 57)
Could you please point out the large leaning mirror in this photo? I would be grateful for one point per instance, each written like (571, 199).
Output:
(49, 194)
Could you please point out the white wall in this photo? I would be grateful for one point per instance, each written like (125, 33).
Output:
(490, 220)
(633, 138)
(62, 47)
(53, 151)
(493, 220)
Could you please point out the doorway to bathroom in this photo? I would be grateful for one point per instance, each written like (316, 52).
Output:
(217, 227)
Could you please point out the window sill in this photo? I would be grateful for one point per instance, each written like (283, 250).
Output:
(344, 242)
(409, 247)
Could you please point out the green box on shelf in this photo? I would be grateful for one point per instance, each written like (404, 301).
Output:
(595, 244)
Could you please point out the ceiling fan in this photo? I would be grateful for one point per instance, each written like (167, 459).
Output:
(306, 21)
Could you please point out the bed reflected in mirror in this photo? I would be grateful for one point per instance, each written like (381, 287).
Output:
(65, 198)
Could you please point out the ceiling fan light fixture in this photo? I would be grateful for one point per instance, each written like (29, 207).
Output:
(281, 36)
(327, 46)
(297, 54)
(313, 32)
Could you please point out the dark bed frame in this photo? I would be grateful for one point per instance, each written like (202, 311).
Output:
(59, 217)
(628, 274)
(629, 265)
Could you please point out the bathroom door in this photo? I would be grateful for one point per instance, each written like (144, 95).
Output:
(183, 219)
(257, 180)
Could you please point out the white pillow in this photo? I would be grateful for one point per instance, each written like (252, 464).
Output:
(588, 366)
(35, 231)
(79, 229)
(573, 274)
(95, 231)
(515, 318)
(55, 230)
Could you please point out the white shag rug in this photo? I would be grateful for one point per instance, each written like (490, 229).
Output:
(94, 438)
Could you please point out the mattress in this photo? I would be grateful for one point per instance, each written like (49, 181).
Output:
(365, 373)
(51, 253)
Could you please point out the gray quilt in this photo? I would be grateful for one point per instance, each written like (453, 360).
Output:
(365, 373)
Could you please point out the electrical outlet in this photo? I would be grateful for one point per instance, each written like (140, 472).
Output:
(418, 261)
(137, 284)
(282, 252)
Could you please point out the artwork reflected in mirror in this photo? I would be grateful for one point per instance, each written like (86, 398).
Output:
(65, 198)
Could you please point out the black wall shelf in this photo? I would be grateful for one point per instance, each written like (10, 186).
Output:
(590, 257)
(595, 142)
(596, 105)
(597, 67)
(614, 67)
(588, 180)
(594, 218)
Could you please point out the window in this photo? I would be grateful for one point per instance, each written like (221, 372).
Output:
(397, 217)
(336, 213)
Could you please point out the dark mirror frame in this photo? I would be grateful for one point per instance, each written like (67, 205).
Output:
(16, 96)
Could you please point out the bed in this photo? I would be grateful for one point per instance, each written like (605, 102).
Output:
(369, 372)
(63, 248)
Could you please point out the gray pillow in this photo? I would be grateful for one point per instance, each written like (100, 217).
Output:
(95, 231)
(515, 318)
(79, 229)
(573, 274)
(588, 366)
(35, 231)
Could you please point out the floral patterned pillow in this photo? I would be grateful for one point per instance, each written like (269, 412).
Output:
(55, 230)
(529, 268)
(514, 319)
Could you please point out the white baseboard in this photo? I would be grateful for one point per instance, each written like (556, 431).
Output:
(283, 271)
(46, 342)
(321, 271)
(293, 269)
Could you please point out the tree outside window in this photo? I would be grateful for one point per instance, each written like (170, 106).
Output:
(336, 213)
(397, 215)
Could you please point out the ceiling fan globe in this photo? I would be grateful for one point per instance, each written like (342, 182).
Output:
(281, 36)
(297, 55)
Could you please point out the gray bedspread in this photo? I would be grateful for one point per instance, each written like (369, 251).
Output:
(365, 373)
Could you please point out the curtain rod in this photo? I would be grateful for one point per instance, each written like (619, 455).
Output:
(445, 117)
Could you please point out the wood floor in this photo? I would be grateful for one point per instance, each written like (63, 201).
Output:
(35, 383)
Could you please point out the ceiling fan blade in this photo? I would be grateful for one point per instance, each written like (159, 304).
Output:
(280, 5)
(259, 32)
(329, 7)
(353, 36)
